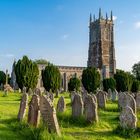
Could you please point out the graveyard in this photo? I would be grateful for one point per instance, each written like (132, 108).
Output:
(71, 128)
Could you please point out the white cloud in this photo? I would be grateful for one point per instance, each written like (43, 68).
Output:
(137, 25)
(114, 18)
(64, 37)
(7, 55)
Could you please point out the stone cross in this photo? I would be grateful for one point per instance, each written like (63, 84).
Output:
(23, 106)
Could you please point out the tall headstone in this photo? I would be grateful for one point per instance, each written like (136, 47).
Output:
(121, 100)
(34, 112)
(61, 106)
(101, 99)
(90, 109)
(77, 106)
(109, 95)
(127, 118)
(23, 106)
(48, 114)
(114, 95)
(72, 94)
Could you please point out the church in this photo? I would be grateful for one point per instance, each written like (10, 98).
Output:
(101, 53)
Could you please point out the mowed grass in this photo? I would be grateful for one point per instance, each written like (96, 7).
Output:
(71, 128)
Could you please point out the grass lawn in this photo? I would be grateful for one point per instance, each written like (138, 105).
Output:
(71, 129)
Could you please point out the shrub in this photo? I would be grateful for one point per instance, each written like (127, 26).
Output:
(26, 73)
(51, 78)
(135, 86)
(74, 84)
(2, 77)
(109, 83)
(91, 79)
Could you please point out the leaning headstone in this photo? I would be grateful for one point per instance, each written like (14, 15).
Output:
(101, 99)
(138, 101)
(121, 100)
(30, 92)
(90, 109)
(127, 118)
(61, 106)
(77, 106)
(34, 113)
(48, 114)
(23, 106)
(130, 101)
(37, 91)
(114, 95)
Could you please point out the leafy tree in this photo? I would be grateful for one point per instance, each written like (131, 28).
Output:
(2, 77)
(135, 86)
(51, 78)
(91, 79)
(41, 61)
(136, 70)
(109, 83)
(26, 73)
(124, 80)
(74, 84)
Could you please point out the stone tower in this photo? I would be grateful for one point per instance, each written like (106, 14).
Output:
(101, 52)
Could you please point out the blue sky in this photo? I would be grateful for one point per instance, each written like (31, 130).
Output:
(57, 30)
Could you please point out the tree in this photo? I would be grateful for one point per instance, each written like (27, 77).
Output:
(41, 61)
(2, 77)
(124, 80)
(74, 84)
(51, 78)
(135, 86)
(27, 73)
(91, 79)
(136, 70)
(109, 83)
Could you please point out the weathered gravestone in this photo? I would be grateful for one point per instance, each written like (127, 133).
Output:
(23, 106)
(37, 91)
(101, 99)
(24, 90)
(121, 100)
(138, 101)
(127, 118)
(90, 109)
(109, 94)
(34, 113)
(77, 106)
(130, 101)
(114, 95)
(61, 106)
(48, 114)
(72, 94)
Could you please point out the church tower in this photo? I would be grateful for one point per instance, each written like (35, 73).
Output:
(101, 53)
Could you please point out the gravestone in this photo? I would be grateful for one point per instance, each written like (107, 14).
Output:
(48, 114)
(114, 95)
(72, 94)
(121, 100)
(109, 95)
(24, 90)
(127, 118)
(23, 106)
(101, 99)
(130, 101)
(34, 113)
(61, 106)
(77, 106)
(37, 91)
(138, 101)
(30, 92)
(90, 109)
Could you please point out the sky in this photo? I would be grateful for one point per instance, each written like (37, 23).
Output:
(57, 30)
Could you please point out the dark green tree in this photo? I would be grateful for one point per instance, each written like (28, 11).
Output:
(41, 61)
(109, 83)
(90, 79)
(51, 78)
(124, 80)
(135, 86)
(74, 84)
(2, 77)
(26, 73)
(136, 70)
